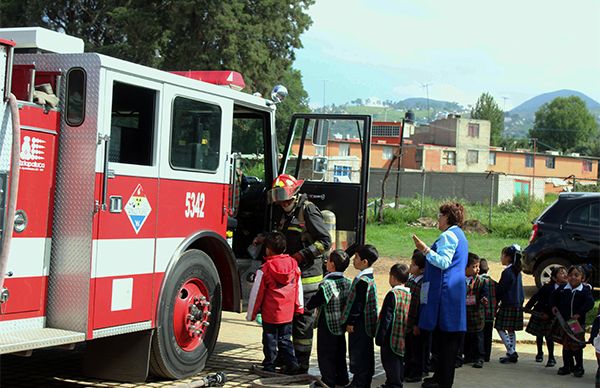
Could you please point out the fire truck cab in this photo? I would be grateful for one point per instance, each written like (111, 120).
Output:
(136, 197)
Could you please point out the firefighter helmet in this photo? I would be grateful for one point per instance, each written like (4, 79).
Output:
(284, 188)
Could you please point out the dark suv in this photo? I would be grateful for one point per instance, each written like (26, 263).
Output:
(566, 233)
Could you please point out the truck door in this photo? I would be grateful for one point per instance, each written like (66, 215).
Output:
(127, 191)
(331, 153)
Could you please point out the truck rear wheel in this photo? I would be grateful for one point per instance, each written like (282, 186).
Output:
(188, 317)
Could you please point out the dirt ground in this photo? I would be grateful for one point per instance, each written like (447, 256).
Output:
(239, 347)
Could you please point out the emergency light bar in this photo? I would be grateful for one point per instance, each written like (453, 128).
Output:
(42, 40)
(232, 79)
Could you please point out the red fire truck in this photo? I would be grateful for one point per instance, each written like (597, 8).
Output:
(129, 198)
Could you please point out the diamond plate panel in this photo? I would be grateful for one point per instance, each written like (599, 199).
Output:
(71, 251)
(110, 331)
(5, 136)
(37, 338)
(22, 324)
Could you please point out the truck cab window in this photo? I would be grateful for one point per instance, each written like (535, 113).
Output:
(195, 135)
(75, 107)
(132, 124)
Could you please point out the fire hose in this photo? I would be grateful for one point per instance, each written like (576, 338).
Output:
(13, 187)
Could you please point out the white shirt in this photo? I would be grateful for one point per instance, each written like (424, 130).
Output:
(366, 271)
(330, 274)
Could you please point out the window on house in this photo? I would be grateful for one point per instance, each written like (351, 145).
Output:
(132, 125)
(195, 135)
(550, 160)
(529, 161)
(342, 173)
(492, 159)
(419, 156)
(587, 166)
(449, 158)
(388, 153)
(521, 188)
(344, 149)
(473, 130)
(472, 157)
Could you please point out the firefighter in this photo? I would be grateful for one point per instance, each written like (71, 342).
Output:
(307, 239)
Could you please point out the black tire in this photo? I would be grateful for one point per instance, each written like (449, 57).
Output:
(167, 358)
(542, 271)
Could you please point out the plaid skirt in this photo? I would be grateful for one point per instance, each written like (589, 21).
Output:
(509, 318)
(537, 325)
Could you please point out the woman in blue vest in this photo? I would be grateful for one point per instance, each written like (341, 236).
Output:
(443, 292)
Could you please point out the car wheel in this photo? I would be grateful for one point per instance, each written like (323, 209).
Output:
(544, 269)
(188, 318)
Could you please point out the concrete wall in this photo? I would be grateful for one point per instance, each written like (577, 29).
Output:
(473, 187)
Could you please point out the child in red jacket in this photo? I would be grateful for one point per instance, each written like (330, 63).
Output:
(277, 295)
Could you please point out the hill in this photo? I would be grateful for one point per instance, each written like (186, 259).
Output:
(530, 106)
(394, 110)
(520, 119)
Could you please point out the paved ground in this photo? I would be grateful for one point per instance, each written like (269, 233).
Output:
(239, 347)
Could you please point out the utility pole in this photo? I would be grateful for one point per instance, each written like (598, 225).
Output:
(534, 139)
(426, 87)
(324, 86)
(504, 106)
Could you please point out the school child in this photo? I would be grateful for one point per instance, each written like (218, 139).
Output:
(573, 301)
(416, 353)
(277, 295)
(489, 310)
(510, 302)
(476, 301)
(540, 323)
(391, 328)
(360, 317)
(330, 300)
(595, 341)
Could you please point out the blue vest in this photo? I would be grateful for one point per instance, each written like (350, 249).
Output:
(446, 303)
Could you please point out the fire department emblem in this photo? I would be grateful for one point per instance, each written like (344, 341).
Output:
(32, 154)
(138, 208)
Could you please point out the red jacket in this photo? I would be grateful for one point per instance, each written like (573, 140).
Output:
(277, 289)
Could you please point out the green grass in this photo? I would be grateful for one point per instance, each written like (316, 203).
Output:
(396, 241)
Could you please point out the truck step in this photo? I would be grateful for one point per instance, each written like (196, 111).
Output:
(23, 340)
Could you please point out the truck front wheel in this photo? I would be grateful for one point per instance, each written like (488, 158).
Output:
(188, 317)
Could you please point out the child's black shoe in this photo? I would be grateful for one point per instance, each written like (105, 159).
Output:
(563, 371)
(578, 371)
(539, 357)
(412, 379)
(551, 362)
(510, 358)
(478, 364)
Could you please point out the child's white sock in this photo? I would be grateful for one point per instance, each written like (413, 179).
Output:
(505, 339)
(513, 342)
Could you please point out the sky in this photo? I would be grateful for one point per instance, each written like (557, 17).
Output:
(389, 49)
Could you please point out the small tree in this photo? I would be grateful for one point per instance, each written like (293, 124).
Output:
(565, 123)
(486, 108)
